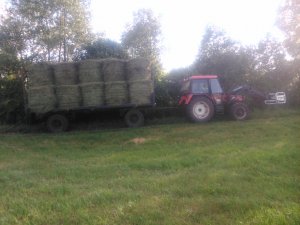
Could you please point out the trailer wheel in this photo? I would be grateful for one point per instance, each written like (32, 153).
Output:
(239, 111)
(57, 123)
(200, 109)
(134, 118)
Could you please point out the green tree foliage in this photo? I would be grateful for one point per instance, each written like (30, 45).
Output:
(11, 100)
(167, 91)
(142, 37)
(219, 54)
(177, 75)
(11, 89)
(263, 66)
(12, 41)
(168, 87)
(9, 65)
(271, 70)
(288, 22)
(101, 49)
(45, 30)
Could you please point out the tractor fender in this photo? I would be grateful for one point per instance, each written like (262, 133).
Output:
(185, 99)
(236, 99)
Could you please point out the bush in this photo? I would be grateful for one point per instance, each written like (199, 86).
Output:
(167, 92)
(11, 100)
(293, 96)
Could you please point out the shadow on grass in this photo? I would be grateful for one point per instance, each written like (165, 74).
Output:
(94, 123)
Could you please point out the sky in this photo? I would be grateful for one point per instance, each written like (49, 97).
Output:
(183, 22)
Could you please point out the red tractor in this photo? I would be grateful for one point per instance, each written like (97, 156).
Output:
(202, 96)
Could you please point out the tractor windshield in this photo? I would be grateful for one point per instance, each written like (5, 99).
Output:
(200, 86)
(215, 86)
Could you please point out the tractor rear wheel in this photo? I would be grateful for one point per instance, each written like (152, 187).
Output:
(134, 118)
(57, 123)
(200, 109)
(239, 111)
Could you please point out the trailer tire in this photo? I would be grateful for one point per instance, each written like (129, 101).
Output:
(200, 109)
(57, 123)
(134, 118)
(239, 111)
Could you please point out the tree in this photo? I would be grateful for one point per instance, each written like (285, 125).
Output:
(270, 67)
(269, 54)
(47, 30)
(177, 75)
(100, 49)
(142, 37)
(263, 66)
(288, 22)
(11, 88)
(219, 54)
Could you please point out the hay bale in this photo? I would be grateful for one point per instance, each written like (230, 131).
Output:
(113, 70)
(39, 75)
(138, 69)
(68, 96)
(92, 94)
(141, 92)
(41, 99)
(89, 71)
(116, 93)
(65, 74)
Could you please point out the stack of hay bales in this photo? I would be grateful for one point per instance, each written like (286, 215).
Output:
(91, 83)
(40, 74)
(41, 99)
(66, 84)
(140, 81)
(41, 96)
(113, 70)
(116, 93)
(116, 88)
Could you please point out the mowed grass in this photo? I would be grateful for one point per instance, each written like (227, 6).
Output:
(222, 172)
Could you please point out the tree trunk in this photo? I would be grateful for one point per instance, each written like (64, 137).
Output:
(65, 50)
(59, 52)
(65, 44)
(49, 56)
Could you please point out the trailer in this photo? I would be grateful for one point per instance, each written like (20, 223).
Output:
(57, 92)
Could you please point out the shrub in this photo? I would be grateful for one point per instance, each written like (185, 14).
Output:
(11, 100)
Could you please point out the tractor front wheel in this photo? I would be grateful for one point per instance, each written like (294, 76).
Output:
(200, 109)
(239, 111)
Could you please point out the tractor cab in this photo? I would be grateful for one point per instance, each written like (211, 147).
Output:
(202, 85)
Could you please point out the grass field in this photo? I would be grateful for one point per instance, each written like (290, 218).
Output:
(223, 172)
